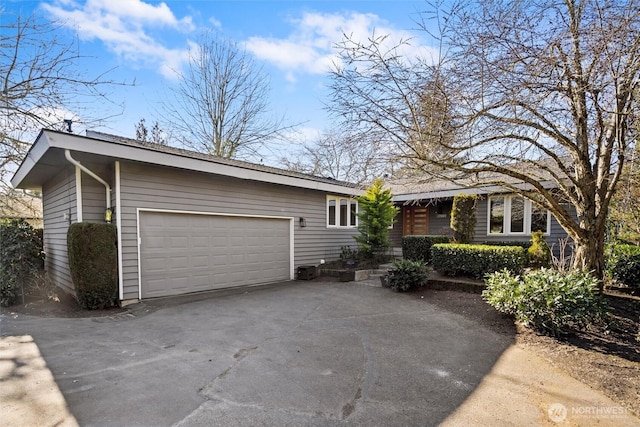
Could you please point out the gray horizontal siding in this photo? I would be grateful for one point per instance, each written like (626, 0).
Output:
(59, 198)
(151, 187)
(439, 224)
(94, 194)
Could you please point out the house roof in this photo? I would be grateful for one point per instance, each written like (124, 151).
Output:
(46, 156)
(426, 188)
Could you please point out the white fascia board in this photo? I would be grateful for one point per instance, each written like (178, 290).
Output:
(35, 153)
(122, 151)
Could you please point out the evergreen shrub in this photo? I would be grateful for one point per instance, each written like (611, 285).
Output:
(463, 218)
(407, 275)
(93, 262)
(21, 257)
(453, 259)
(623, 264)
(547, 300)
(539, 253)
(418, 247)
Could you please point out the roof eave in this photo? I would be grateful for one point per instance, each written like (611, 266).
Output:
(49, 139)
(480, 190)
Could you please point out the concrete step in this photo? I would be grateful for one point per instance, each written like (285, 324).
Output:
(371, 281)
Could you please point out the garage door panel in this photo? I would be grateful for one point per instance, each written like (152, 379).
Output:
(182, 253)
(200, 261)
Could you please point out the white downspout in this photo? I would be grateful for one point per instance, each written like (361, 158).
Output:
(67, 154)
(119, 232)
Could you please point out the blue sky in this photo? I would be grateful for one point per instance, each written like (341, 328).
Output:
(147, 41)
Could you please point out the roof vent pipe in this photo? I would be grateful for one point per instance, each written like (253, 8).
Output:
(67, 154)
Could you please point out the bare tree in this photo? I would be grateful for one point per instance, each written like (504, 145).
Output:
(221, 104)
(155, 136)
(40, 86)
(341, 156)
(540, 95)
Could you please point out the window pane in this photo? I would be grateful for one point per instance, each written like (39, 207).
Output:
(517, 215)
(354, 210)
(332, 212)
(538, 218)
(496, 219)
(343, 213)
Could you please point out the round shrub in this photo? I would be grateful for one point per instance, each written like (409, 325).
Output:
(539, 252)
(547, 300)
(407, 275)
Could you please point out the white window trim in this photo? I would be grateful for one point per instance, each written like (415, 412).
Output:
(337, 200)
(506, 220)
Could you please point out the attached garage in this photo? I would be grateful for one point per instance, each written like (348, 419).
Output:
(185, 252)
(186, 222)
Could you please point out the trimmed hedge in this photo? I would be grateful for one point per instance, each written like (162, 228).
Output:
(476, 261)
(623, 264)
(418, 247)
(526, 245)
(93, 262)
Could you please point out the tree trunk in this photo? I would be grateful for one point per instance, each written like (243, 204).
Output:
(589, 254)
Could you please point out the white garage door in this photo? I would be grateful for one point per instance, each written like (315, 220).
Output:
(183, 253)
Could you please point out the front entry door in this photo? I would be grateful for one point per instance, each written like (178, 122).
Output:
(415, 220)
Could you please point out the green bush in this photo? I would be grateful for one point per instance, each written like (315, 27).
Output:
(525, 245)
(547, 300)
(475, 261)
(93, 263)
(463, 217)
(21, 257)
(376, 213)
(418, 248)
(407, 275)
(623, 264)
(539, 253)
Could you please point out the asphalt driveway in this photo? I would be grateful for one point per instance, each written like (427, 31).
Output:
(301, 353)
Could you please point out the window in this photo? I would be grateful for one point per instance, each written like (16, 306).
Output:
(496, 215)
(443, 208)
(539, 219)
(515, 215)
(331, 220)
(341, 212)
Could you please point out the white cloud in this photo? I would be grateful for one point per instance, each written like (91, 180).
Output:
(125, 26)
(310, 48)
